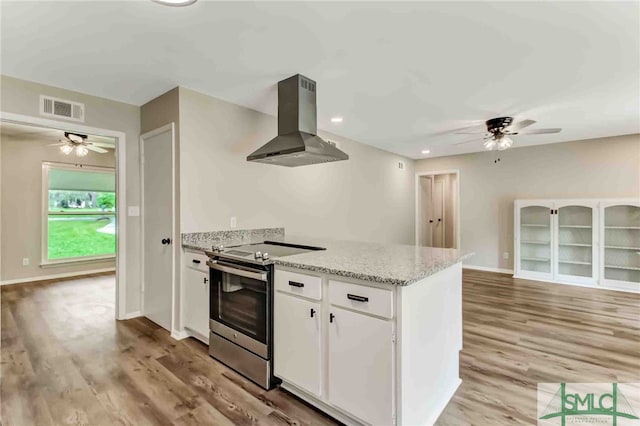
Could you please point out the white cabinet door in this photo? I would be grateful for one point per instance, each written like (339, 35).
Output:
(195, 306)
(361, 366)
(620, 244)
(534, 239)
(576, 241)
(297, 350)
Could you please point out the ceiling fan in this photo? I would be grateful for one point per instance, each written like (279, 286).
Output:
(79, 143)
(498, 132)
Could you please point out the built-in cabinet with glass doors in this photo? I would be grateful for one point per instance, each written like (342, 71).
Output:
(588, 242)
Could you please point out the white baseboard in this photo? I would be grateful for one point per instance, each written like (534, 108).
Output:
(179, 335)
(131, 315)
(487, 269)
(56, 276)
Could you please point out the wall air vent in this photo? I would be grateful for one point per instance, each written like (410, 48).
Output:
(60, 108)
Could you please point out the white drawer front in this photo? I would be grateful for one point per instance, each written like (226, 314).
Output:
(372, 300)
(196, 261)
(299, 284)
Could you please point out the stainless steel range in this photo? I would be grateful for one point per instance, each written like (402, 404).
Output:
(241, 306)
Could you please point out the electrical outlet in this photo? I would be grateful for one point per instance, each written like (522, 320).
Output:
(233, 222)
(505, 255)
(25, 261)
(401, 165)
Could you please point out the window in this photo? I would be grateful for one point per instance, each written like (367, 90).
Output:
(79, 213)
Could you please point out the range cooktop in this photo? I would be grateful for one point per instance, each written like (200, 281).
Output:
(261, 253)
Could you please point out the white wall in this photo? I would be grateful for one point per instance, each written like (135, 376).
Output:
(21, 207)
(595, 168)
(364, 198)
(22, 97)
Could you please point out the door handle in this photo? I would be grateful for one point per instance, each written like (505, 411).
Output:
(166, 241)
(312, 312)
(206, 281)
(331, 317)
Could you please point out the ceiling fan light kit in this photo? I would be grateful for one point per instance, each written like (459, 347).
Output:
(66, 149)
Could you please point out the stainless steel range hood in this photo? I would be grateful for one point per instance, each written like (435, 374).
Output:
(297, 143)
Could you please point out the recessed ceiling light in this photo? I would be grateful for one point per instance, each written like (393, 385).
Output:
(336, 119)
(425, 151)
(175, 2)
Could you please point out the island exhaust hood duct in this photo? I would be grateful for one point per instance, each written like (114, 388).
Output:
(297, 143)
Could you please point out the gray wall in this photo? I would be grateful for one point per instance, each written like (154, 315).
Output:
(21, 206)
(365, 198)
(595, 168)
(22, 97)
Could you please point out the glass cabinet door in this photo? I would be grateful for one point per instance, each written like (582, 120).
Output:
(622, 243)
(575, 242)
(535, 239)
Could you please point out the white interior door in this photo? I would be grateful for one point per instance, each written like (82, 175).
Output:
(437, 211)
(158, 222)
(425, 211)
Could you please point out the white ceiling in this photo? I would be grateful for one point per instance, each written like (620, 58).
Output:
(401, 74)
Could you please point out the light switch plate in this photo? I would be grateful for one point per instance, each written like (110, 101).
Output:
(233, 222)
(25, 261)
(505, 255)
(133, 211)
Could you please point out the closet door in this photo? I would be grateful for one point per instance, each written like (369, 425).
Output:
(620, 238)
(534, 239)
(576, 239)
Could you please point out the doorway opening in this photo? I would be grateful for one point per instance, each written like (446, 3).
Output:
(60, 203)
(437, 212)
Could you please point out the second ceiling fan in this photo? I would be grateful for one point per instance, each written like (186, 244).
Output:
(498, 132)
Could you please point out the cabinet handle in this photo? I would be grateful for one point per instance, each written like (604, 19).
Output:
(357, 298)
(196, 261)
(312, 312)
(206, 280)
(296, 284)
(331, 317)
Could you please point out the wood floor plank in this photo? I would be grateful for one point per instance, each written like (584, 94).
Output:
(65, 360)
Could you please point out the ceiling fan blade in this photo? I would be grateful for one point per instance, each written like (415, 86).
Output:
(541, 131)
(471, 132)
(96, 149)
(103, 144)
(469, 141)
(515, 127)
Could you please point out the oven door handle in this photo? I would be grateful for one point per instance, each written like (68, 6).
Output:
(260, 276)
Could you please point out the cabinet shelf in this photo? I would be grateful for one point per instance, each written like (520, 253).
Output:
(535, 259)
(622, 227)
(576, 226)
(536, 242)
(575, 244)
(537, 225)
(574, 262)
(628, 268)
(622, 248)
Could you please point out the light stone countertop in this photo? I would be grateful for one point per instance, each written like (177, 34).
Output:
(393, 264)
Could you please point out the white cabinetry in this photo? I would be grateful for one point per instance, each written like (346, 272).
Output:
(361, 365)
(297, 344)
(349, 347)
(620, 251)
(195, 295)
(588, 242)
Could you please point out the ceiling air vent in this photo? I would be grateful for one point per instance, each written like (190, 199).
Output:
(54, 107)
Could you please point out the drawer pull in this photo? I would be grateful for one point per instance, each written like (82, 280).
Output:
(296, 284)
(196, 261)
(357, 298)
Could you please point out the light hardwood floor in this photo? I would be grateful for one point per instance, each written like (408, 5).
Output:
(65, 360)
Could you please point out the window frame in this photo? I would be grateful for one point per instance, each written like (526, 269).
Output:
(44, 254)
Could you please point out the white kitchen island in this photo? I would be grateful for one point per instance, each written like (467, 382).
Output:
(370, 333)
